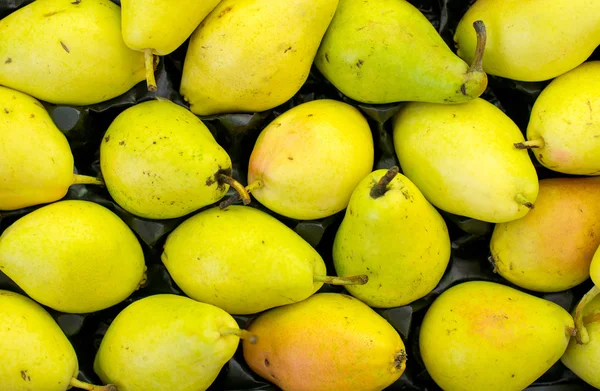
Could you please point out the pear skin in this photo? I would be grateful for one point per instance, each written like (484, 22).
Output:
(387, 51)
(564, 35)
(551, 248)
(486, 336)
(328, 342)
(68, 52)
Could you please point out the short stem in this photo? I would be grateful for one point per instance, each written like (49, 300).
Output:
(520, 199)
(352, 280)
(477, 64)
(582, 335)
(243, 334)
(149, 63)
(86, 180)
(529, 144)
(381, 187)
(248, 189)
(89, 387)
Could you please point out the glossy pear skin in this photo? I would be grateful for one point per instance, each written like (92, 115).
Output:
(399, 240)
(485, 336)
(311, 158)
(224, 257)
(336, 336)
(566, 117)
(269, 47)
(385, 51)
(463, 159)
(149, 24)
(68, 52)
(160, 161)
(73, 256)
(551, 248)
(166, 342)
(565, 34)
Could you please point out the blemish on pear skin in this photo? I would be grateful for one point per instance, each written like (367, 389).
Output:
(288, 49)
(122, 142)
(76, 2)
(226, 10)
(359, 63)
(8, 60)
(64, 47)
(31, 115)
(326, 57)
(107, 138)
(6, 110)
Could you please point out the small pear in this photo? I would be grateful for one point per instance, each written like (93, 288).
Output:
(564, 128)
(550, 249)
(34, 352)
(159, 161)
(68, 52)
(481, 335)
(148, 26)
(73, 256)
(393, 235)
(463, 159)
(387, 51)
(224, 257)
(328, 342)
(167, 342)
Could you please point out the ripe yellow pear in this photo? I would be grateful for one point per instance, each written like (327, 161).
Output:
(37, 163)
(253, 55)
(34, 352)
(564, 128)
(167, 342)
(531, 40)
(68, 52)
(73, 256)
(328, 342)
(481, 335)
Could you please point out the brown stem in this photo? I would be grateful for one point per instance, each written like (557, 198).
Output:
(149, 63)
(90, 387)
(536, 143)
(243, 334)
(520, 199)
(86, 180)
(333, 280)
(582, 335)
(381, 187)
(241, 190)
(477, 64)
(236, 197)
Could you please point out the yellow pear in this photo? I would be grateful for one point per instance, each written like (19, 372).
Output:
(68, 52)
(37, 163)
(253, 55)
(481, 335)
(73, 256)
(583, 335)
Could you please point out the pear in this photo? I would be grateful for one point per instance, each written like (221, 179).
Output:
(224, 257)
(167, 342)
(34, 352)
(582, 335)
(148, 26)
(463, 159)
(159, 161)
(37, 163)
(564, 34)
(68, 52)
(550, 249)
(564, 128)
(253, 55)
(387, 51)
(328, 342)
(394, 236)
(482, 335)
(73, 256)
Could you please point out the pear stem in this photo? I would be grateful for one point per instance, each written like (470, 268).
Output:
(149, 63)
(333, 280)
(86, 180)
(243, 334)
(529, 144)
(248, 189)
(477, 64)
(90, 387)
(241, 190)
(381, 187)
(582, 335)
(520, 199)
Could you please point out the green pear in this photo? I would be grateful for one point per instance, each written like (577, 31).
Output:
(463, 159)
(253, 55)
(386, 51)
(167, 342)
(564, 128)
(583, 336)
(34, 352)
(73, 256)
(149, 26)
(550, 249)
(482, 335)
(328, 342)
(224, 257)
(392, 234)
(159, 161)
(68, 52)
(531, 40)
(37, 163)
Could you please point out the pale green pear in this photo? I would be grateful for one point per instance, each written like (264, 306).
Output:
(167, 342)
(463, 159)
(68, 52)
(244, 261)
(482, 335)
(73, 256)
(384, 51)
(392, 234)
